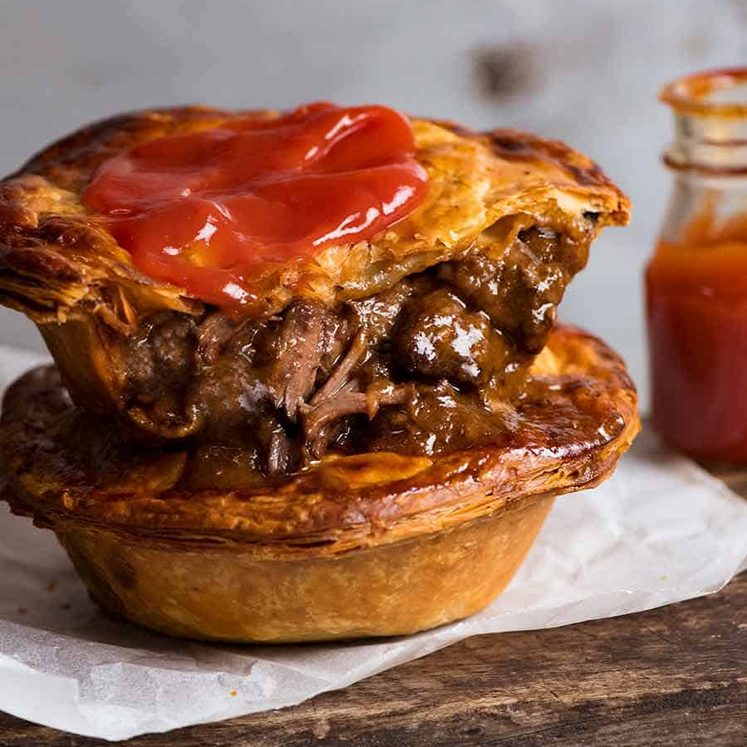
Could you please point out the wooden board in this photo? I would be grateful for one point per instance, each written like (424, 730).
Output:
(672, 676)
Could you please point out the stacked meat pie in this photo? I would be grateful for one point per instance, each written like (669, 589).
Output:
(307, 380)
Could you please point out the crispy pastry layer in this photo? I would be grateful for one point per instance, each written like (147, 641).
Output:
(225, 592)
(57, 262)
(577, 417)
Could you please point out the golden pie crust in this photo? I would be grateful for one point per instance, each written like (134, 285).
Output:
(366, 545)
(58, 262)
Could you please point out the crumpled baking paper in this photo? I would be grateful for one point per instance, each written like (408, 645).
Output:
(660, 531)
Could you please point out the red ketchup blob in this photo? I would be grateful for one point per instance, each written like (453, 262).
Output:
(211, 210)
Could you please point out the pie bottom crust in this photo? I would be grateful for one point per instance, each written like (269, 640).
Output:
(230, 595)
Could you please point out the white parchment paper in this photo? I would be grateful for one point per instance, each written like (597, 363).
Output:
(660, 531)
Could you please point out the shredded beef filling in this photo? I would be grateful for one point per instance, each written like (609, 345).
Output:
(429, 365)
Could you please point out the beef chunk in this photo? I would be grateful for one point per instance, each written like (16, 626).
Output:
(227, 467)
(521, 289)
(160, 354)
(232, 395)
(290, 353)
(240, 413)
(323, 422)
(439, 339)
(376, 316)
(276, 447)
(215, 332)
(161, 364)
(434, 419)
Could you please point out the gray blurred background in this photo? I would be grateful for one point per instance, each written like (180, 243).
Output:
(586, 72)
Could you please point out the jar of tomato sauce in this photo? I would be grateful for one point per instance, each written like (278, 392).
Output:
(696, 281)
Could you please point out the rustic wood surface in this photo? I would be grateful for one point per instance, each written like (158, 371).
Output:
(673, 676)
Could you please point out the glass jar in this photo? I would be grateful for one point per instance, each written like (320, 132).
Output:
(696, 281)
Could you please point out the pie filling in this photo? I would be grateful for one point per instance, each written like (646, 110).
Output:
(432, 364)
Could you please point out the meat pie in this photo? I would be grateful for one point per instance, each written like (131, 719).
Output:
(308, 382)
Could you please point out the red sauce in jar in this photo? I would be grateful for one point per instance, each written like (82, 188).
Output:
(210, 210)
(697, 326)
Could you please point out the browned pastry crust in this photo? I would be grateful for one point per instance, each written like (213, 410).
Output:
(58, 262)
(372, 544)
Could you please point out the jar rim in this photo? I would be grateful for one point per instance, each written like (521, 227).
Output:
(694, 94)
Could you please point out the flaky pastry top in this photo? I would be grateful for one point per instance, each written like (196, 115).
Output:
(58, 261)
